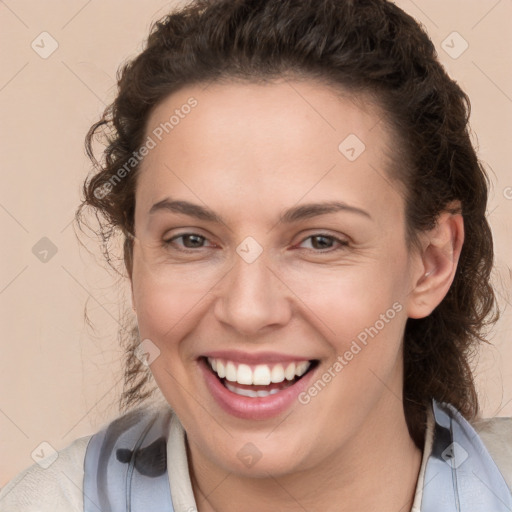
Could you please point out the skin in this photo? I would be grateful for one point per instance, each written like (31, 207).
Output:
(248, 152)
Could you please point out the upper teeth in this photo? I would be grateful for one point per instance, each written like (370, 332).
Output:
(261, 374)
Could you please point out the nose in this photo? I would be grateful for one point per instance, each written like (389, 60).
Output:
(252, 298)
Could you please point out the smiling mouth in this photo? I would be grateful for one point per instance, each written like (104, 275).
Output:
(258, 381)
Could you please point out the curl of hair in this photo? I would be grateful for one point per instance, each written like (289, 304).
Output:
(360, 47)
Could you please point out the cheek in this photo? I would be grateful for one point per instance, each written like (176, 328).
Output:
(345, 301)
(365, 331)
(361, 318)
(156, 312)
(166, 314)
(167, 306)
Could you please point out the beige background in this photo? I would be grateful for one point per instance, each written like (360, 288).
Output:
(59, 379)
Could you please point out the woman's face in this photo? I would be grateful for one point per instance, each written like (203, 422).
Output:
(270, 239)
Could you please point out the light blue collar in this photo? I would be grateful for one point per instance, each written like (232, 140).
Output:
(460, 475)
(126, 467)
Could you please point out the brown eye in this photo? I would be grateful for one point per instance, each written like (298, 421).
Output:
(321, 242)
(193, 241)
(189, 240)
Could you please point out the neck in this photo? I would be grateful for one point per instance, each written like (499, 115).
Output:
(376, 470)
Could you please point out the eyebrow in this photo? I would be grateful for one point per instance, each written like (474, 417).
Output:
(294, 214)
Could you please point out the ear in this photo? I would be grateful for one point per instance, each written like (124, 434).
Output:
(438, 259)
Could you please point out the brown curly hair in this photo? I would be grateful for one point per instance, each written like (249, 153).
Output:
(364, 47)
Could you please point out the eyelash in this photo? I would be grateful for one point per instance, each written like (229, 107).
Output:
(342, 243)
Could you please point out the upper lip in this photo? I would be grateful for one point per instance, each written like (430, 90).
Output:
(238, 356)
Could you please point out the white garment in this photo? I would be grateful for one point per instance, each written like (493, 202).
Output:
(59, 487)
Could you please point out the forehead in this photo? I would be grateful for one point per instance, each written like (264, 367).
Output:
(255, 142)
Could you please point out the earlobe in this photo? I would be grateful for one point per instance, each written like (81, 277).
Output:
(439, 258)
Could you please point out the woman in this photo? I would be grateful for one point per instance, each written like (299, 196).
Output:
(304, 230)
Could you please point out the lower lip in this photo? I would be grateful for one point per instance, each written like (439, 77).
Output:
(258, 408)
